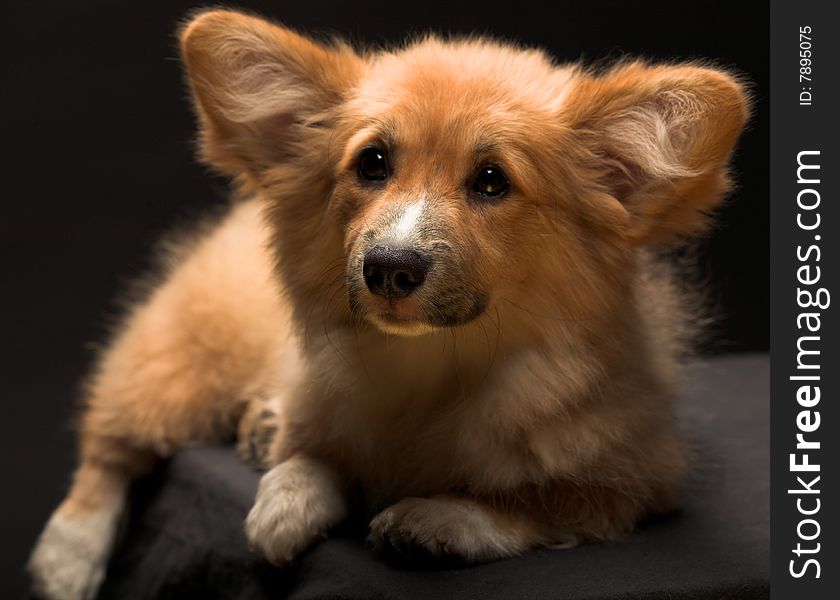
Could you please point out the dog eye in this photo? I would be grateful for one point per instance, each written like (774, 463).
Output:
(491, 181)
(373, 166)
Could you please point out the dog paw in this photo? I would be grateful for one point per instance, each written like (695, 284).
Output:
(297, 502)
(257, 431)
(70, 557)
(441, 528)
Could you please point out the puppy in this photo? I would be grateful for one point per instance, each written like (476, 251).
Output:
(439, 282)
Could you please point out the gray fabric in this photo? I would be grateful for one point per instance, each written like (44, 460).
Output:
(185, 538)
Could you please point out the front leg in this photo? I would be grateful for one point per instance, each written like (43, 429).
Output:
(297, 502)
(457, 527)
(258, 432)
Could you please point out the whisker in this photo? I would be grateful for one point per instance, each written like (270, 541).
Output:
(546, 317)
(334, 264)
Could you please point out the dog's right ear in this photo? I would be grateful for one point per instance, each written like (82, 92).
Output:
(258, 87)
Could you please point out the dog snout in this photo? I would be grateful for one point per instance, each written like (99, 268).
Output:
(394, 272)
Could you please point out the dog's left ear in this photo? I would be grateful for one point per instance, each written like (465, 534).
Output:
(260, 88)
(659, 139)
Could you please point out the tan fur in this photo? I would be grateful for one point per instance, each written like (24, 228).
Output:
(542, 418)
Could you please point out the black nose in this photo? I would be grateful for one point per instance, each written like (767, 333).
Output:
(394, 272)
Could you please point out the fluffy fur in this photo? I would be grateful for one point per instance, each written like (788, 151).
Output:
(520, 397)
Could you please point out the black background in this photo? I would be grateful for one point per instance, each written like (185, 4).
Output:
(98, 163)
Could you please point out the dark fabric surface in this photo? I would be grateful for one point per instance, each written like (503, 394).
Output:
(185, 539)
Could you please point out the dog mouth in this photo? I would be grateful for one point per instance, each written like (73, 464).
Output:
(441, 299)
(396, 322)
(412, 318)
(395, 317)
(403, 317)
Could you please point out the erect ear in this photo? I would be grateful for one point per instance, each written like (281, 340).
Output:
(260, 88)
(659, 139)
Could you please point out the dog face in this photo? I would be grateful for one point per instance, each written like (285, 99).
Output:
(435, 189)
(449, 178)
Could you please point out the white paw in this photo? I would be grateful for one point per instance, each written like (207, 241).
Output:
(69, 560)
(442, 528)
(297, 502)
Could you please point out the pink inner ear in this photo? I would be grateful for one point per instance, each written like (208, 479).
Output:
(274, 136)
(622, 176)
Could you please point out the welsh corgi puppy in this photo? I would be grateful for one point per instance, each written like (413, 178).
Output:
(439, 289)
